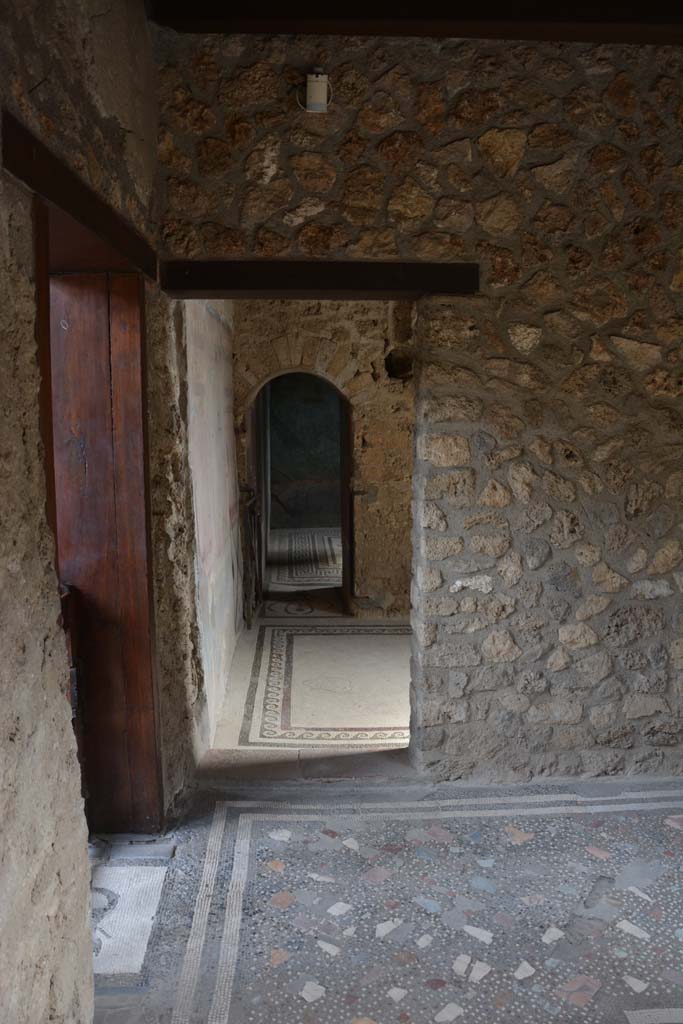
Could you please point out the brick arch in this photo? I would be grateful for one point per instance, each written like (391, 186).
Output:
(251, 426)
(244, 403)
(312, 371)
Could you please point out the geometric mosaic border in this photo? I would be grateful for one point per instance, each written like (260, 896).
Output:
(249, 814)
(268, 724)
(302, 559)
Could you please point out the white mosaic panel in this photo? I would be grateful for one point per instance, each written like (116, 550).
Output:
(125, 903)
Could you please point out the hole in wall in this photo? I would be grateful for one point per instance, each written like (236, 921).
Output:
(399, 364)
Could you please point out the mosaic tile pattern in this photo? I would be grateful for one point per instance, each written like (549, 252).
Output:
(304, 559)
(500, 907)
(419, 915)
(313, 604)
(372, 679)
(124, 905)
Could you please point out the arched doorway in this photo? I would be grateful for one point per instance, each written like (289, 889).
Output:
(309, 683)
(299, 473)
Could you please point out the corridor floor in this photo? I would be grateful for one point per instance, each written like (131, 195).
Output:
(307, 559)
(428, 903)
(325, 684)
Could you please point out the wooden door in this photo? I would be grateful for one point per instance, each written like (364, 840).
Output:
(96, 354)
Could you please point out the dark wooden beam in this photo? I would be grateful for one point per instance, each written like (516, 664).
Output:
(296, 279)
(30, 161)
(533, 19)
(75, 249)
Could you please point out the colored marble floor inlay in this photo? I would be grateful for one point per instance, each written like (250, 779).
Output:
(499, 905)
(304, 559)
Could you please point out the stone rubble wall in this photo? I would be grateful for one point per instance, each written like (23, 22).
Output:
(548, 553)
(513, 154)
(547, 485)
(347, 343)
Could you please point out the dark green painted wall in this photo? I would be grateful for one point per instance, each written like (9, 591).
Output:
(305, 419)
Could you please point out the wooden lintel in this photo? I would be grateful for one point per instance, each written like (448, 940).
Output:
(324, 279)
(30, 161)
(607, 23)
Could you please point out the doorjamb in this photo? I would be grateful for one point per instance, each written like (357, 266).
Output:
(254, 454)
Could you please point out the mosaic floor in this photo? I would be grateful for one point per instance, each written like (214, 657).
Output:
(524, 904)
(125, 899)
(312, 604)
(300, 685)
(304, 560)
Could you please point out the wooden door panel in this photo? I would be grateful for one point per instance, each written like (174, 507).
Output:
(127, 389)
(85, 509)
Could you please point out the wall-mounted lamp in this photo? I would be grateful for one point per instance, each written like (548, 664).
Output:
(318, 92)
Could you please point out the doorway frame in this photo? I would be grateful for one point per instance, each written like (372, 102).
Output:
(252, 469)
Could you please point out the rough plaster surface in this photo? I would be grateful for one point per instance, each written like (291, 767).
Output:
(81, 75)
(213, 468)
(180, 681)
(346, 343)
(45, 933)
(195, 562)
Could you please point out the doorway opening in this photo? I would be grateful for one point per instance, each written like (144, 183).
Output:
(318, 686)
(300, 447)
